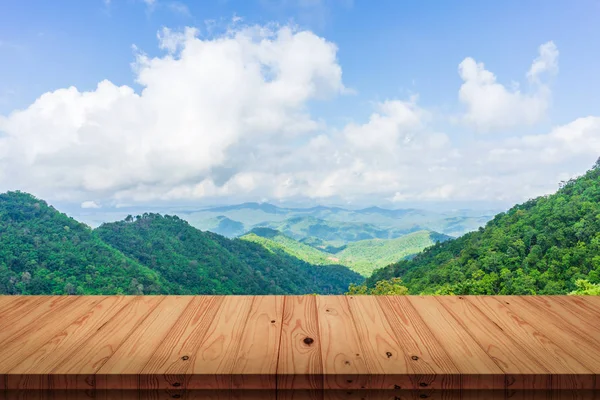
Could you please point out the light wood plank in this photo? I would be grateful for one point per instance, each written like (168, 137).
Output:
(300, 365)
(256, 362)
(433, 368)
(122, 369)
(33, 314)
(12, 307)
(171, 361)
(567, 371)
(557, 314)
(477, 369)
(522, 370)
(343, 358)
(584, 307)
(32, 371)
(213, 362)
(77, 370)
(386, 358)
(57, 313)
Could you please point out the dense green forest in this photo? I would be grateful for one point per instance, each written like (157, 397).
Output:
(43, 251)
(548, 245)
(204, 262)
(363, 256)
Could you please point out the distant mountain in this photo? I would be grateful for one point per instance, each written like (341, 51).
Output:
(333, 232)
(228, 227)
(365, 256)
(45, 252)
(362, 256)
(548, 245)
(337, 226)
(275, 241)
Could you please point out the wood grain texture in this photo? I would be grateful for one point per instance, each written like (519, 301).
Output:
(522, 370)
(344, 365)
(543, 344)
(78, 370)
(300, 347)
(43, 360)
(256, 361)
(387, 358)
(431, 366)
(300, 365)
(212, 363)
(171, 360)
(477, 369)
(122, 369)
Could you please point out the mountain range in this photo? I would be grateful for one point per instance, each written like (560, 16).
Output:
(334, 226)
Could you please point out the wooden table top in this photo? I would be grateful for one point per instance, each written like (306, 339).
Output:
(299, 342)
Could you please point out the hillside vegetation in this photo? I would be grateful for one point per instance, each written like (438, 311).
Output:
(362, 256)
(548, 245)
(45, 252)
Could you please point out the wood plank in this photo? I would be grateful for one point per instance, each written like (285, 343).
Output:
(585, 307)
(122, 369)
(386, 358)
(32, 371)
(522, 370)
(22, 322)
(557, 314)
(58, 313)
(213, 362)
(477, 369)
(77, 370)
(171, 360)
(431, 364)
(565, 327)
(543, 344)
(12, 306)
(256, 361)
(300, 365)
(343, 358)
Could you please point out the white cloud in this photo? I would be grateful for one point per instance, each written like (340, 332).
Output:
(198, 102)
(89, 204)
(492, 106)
(227, 117)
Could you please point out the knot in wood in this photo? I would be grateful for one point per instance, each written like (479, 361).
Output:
(185, 358)
(272, 321)
(423, 384)
(388, 354)
(308, 340)
(177, 384)
(176, 396)
(415, 358)
(423, 396)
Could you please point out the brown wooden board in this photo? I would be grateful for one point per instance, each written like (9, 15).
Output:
(295, 347)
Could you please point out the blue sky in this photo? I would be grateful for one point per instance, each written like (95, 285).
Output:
(399, 64)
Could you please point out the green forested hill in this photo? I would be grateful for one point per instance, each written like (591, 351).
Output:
(363, 256)
(548, 245)
(204, 262)
(45, 252)
(276, 241)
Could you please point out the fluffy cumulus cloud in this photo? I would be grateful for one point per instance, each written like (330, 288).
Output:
(228, 118)
(492, 106)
